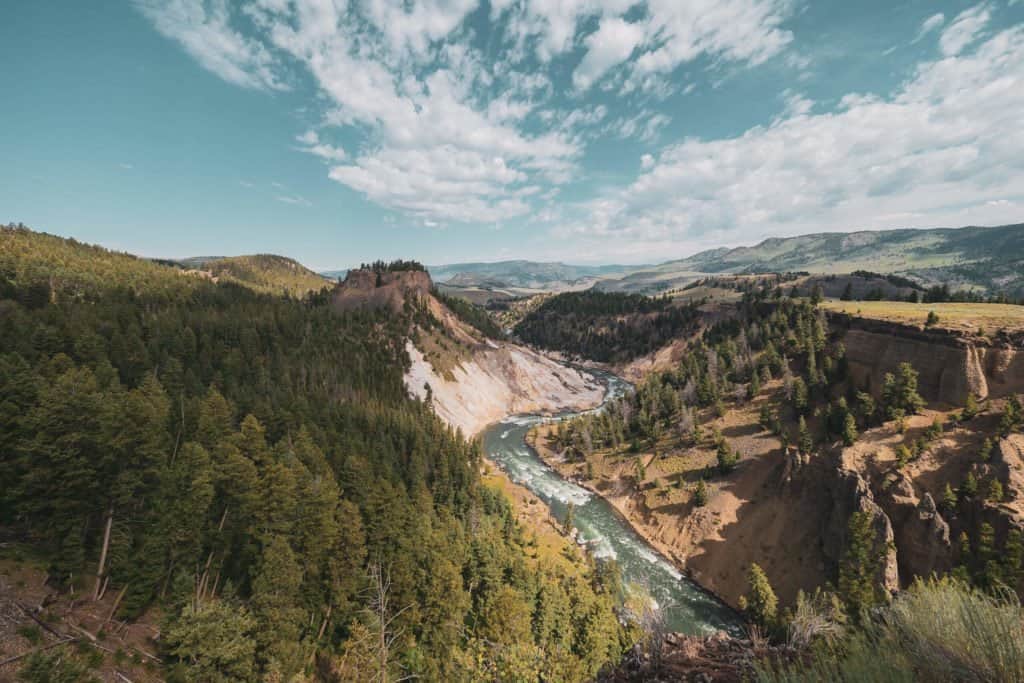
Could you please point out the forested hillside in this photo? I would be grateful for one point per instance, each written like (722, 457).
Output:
(267, 273)
(251, 466)
(604, 326)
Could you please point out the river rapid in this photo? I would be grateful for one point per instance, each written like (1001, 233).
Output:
(684, 606)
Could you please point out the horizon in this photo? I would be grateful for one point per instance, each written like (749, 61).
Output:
(630, 132)
(584, 264)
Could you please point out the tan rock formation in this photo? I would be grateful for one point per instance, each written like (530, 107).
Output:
(949, 365)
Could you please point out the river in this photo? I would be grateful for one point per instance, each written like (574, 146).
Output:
(685, 607)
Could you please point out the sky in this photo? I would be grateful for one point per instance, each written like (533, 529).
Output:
(586, 131)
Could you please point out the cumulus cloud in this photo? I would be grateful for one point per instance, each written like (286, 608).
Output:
(940, 150)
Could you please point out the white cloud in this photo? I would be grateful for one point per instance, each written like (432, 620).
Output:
(929, 25)
(739, 30)
(294, 200)
(964, 30)
(204, 30)
(412, 27)
(936, 152)
(311, 143)
(612, 43)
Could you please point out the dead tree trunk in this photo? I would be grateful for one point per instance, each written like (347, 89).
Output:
(101, 571)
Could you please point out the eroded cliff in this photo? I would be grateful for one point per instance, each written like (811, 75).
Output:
(950, 365)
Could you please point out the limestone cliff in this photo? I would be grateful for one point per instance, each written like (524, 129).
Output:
(950, 365)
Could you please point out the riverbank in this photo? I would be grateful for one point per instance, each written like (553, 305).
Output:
(628, 504)
(752, 514)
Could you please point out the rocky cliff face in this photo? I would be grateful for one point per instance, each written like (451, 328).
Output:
(498, 380)
(366, 289)
(950, 366)
(470, 381)
(850, 493)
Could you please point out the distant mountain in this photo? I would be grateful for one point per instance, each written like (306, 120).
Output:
(522, 274)
(989, 259)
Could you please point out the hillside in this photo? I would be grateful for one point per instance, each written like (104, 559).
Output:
(267, 273)
(988, 259)
(458, 363)
(203, 482)
(776, 426)
(521, 274)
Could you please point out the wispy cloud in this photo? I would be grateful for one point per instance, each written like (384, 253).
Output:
(126, 166)
(204, 30)
(965, 29)
(295, 200)
(928, 25)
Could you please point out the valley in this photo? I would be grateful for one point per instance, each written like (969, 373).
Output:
(633, 471)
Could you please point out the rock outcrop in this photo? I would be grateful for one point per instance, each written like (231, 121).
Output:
(851, 493)
(949, 365)
(471, 381)
(367, 289)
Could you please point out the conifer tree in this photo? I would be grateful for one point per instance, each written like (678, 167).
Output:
(700, 494)
(762, 604)
(804, 440)
(860, 565)
(949, 500)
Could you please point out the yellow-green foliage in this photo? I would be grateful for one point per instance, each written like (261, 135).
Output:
(268, 273)
(71, 270)
(936, 631)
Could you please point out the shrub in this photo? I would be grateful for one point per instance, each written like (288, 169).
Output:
(940, 630)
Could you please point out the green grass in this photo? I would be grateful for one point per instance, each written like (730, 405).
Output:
(958, 316)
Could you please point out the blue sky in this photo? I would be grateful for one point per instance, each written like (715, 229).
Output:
(451, 130)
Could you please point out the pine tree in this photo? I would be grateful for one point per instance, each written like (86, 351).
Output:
(1013, 414)
(727, 457)
(762, 605)
(969, 486)
(1013, 557)
(212, 642)
(276, 606)
(991, 574)
(700, 494)
(970, 407)
(985, 452)
(949, 500)
(860, 566)
(995, 492)
(849, 430)
(804, 440)
(800, 396)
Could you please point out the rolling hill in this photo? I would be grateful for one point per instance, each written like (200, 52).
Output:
(986, 259)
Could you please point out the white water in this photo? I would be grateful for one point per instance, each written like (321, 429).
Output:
(686, 608)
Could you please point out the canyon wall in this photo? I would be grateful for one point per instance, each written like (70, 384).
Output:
(949, 365)
(498, 380)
